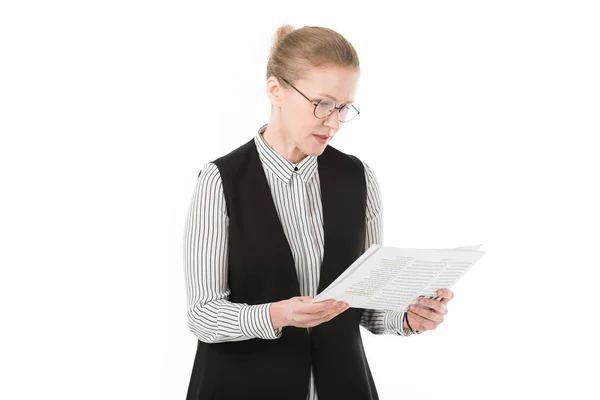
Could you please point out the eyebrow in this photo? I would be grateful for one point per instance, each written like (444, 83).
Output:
(331, 97)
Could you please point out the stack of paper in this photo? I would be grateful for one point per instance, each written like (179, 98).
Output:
(392, 278)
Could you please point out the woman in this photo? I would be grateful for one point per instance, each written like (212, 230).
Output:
(273, 223)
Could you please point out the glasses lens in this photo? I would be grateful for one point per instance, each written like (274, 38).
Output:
(324, 108)
(348, 113)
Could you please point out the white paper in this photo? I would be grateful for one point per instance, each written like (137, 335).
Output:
(392, 278)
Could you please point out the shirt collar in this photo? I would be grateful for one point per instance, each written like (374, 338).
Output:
(280, 166)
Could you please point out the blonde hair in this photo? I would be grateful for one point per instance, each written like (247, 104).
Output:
(294, 52)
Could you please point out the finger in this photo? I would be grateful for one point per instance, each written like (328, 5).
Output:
(317, 307)
(425, 323)
(334, 314)
(311, 320)
(328, 308)
(308, 316)
(442, 300)
(436, 305)
(446, 294)
(414, 324)
(440, 309)
(427, 313)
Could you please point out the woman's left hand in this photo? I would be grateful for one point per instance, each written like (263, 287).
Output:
(429, 313)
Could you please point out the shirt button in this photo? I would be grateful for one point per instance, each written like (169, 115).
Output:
(295, 168)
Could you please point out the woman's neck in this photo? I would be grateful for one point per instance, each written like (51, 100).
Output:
(285, 148)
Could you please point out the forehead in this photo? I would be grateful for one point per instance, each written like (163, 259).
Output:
(333, 82)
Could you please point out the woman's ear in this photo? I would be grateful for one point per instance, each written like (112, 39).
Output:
(275, 92)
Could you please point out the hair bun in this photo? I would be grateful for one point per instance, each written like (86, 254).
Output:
(280, 33)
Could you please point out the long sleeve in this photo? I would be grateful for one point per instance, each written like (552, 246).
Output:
(212, 317)
(378, 321)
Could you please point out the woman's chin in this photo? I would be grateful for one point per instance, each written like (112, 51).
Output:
(316, 150)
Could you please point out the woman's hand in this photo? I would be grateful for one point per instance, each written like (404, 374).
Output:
(301, 312)
(429, 313)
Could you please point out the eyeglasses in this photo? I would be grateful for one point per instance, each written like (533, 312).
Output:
(323, 108)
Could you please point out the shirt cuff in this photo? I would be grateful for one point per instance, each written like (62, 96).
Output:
(393, 321)
(255, 322)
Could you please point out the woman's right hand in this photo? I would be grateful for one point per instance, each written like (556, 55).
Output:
(301, 312)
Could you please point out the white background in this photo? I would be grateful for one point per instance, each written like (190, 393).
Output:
(479, 118)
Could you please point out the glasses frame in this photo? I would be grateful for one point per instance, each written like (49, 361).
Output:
(318, 102)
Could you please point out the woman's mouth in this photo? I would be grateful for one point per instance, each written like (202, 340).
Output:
(321, 139)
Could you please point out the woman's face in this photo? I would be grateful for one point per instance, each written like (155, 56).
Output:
(296, 114)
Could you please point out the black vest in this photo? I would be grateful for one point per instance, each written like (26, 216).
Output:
(261, 270)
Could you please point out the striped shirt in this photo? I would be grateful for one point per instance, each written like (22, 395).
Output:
(296, 193)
